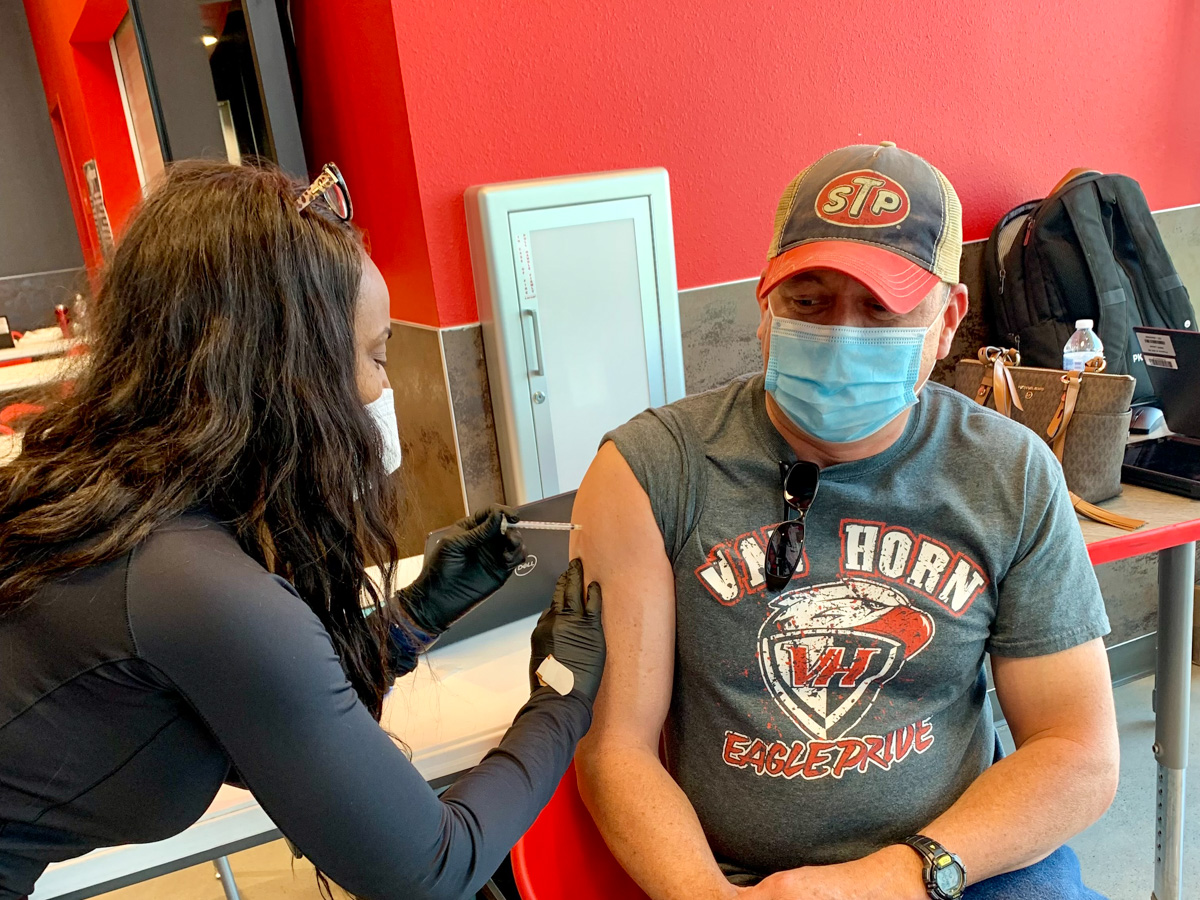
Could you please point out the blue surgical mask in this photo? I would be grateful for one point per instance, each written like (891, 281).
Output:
(840, 383)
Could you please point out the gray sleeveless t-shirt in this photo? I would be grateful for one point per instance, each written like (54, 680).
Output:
(848, 711)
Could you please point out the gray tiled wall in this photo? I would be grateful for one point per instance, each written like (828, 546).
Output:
(719, 322)
(718, 326)
(444, 407)
(430, 473)
(29, 300)
(471, 397)
(1180, 229)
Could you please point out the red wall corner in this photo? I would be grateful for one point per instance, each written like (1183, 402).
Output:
(354, 115)
(70, 40)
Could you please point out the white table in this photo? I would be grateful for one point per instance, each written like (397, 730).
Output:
(10, 446)
(36, 373)
(28, 349)
(451, 711)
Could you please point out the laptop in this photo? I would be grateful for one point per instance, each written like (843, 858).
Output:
(530, 588)
(1171, 463)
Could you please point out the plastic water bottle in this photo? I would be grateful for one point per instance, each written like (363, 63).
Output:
(1083, 346)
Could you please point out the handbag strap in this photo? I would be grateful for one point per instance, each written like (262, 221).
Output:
(1056, 431)
(998, 379)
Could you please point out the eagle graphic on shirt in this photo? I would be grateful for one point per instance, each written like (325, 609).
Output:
(825, 651)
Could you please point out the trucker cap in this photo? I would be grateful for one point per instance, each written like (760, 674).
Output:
(881, 215)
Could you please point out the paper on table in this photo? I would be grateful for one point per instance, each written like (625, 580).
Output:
(36, 335)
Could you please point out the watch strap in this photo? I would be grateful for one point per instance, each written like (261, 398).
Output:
(935, 858)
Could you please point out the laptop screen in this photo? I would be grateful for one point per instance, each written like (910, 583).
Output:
(530, 589)
(1172, 358)
(1179, 458)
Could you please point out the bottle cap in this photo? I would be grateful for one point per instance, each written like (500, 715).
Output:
(1083, 323)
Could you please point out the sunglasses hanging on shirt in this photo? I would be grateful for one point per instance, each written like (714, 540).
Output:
(786, 545)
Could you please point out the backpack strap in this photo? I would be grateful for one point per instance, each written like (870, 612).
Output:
(1082, 203)
(1167, 291)
(1070, 176)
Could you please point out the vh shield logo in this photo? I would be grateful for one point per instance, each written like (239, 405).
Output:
(825, 651)
(863, 199)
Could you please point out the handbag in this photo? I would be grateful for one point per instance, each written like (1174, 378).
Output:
(1083, 416)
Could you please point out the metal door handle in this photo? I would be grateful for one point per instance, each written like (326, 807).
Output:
(537, 340)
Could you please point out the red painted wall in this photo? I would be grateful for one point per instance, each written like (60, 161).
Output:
(70, 38)
(354, 115)
(734, 98)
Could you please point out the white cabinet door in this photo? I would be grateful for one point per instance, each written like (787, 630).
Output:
(590, 325)
(575, 278)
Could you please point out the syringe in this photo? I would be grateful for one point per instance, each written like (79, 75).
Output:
(505, 524)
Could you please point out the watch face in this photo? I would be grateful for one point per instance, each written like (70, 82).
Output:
(949, 880)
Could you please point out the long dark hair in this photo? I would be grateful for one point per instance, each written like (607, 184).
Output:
(220, 376)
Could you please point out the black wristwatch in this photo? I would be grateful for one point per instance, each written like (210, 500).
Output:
(945, 875)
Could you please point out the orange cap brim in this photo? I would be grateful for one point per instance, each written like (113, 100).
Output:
(898, 283)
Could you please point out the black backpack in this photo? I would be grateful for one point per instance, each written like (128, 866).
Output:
(1091, 250)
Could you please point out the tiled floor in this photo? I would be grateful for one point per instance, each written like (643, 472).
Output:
(1117, 853)
(262, 873)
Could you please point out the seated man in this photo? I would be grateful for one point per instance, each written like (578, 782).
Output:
(822, 683)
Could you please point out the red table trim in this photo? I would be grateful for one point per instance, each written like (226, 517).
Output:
(1135, 543)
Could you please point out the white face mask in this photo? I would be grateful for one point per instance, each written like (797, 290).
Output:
(383, 414)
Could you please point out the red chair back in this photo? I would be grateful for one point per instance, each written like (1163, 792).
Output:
(563, 857)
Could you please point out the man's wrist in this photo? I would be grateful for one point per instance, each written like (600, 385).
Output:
(905, 870)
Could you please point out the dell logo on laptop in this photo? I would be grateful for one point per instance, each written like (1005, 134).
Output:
(526, 567)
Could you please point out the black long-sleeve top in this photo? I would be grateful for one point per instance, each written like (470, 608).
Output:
(130, 691)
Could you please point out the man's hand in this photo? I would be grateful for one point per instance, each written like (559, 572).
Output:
(893, 873)
(472, 561)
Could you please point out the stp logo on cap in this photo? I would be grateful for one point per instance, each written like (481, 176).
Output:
(863, 199)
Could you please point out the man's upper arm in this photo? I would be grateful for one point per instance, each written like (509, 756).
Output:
(1067, 694)
(622, 548)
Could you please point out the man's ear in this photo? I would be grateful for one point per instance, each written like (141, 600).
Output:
(952, 316)
(763, 299)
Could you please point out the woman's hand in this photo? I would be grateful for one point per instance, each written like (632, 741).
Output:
(470, 563)
(571, 632)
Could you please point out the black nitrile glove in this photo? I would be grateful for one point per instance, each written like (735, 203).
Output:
(570, 630)
(467, 567)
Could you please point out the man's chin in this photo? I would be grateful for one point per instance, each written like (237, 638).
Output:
(842, 451)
